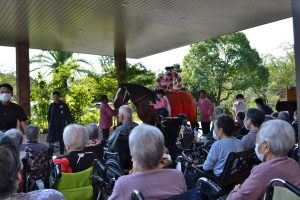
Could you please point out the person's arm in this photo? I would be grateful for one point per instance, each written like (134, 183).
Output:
(69, 116)
(253, 187)
(212, 157)
(22, 118)
(118, 192)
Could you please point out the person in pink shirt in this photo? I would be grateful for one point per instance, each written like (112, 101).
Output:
(106, 114)
(274, 140)
(206, 110)
(162, 106)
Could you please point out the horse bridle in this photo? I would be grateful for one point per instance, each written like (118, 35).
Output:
(127, 93)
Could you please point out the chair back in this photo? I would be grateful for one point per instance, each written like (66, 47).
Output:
(76, 186)
(288, 191)
(136, 195)
(97, 149)
(237, 168)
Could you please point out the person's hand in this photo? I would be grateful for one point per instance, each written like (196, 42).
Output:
(236, 187)
(165, 161)
(150, 103)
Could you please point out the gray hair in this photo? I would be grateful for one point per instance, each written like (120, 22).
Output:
(146, 144)
(15, 134)
(75, 136)
(9, 166)
(93, 130)
(126, 111)
(32, 132)
(279, 134)
(284, 115)
(219, 110)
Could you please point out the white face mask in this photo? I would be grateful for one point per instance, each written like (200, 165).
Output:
(215, 135)
(5, 97)
(260, 156)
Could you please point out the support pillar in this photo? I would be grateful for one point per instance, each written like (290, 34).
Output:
(120, 61)
(296, 23)
(22, 74)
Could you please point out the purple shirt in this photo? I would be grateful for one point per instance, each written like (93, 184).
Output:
(206, 109)
(255, 185)
(106, 114)
(155, 184)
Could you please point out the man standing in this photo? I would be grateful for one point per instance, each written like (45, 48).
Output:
(118, 141)
(239, 105)
(10, 112)
(261, 105)
(59, 116)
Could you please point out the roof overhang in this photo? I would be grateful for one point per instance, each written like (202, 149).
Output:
(142, 27)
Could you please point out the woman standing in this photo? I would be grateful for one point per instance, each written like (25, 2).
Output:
(59, 116)
(206, 111)
(106, 114)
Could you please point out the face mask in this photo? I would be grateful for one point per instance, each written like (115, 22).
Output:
(259, 155)
(5, 97)
(215, 135)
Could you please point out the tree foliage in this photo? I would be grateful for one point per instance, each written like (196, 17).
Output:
(222, 66)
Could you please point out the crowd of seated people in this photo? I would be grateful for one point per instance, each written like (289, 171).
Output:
(145, 151)
(274, 140)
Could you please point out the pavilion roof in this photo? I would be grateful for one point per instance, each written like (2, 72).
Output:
(143, 27)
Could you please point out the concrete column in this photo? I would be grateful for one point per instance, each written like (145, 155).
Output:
(296, 23)
(120, 61)
(23, 79)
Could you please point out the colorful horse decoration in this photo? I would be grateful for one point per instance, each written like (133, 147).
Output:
(170, 82)
(181, 102)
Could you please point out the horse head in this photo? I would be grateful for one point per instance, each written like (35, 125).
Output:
(122, 96)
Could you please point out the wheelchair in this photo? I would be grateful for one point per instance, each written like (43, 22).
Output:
(36, 167)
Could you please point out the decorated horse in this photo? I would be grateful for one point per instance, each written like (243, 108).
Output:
(181, 102)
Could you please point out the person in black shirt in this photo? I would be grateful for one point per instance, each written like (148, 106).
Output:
(59, 116)
(76, 138)
(10, 112)
(261, 105)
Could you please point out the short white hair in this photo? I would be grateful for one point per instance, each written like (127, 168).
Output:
(279, 134)
(126, 111)
(146, 144)
(75, 136)
(15, 134)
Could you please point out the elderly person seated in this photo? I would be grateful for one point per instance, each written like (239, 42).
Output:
(9, 169)
(284, 115)
(225, 144)
(275, 139)
(254, 118)
(118, 141)
(93, 131)
(146, 145)
(75, 138)
(15, 134)
(32, 133)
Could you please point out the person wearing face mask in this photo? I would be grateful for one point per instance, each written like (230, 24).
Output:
(10, 112)
(254, 118)
(274, 140)
(225, 144)
(239, 105)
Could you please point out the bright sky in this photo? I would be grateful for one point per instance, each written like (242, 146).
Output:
(266, 39)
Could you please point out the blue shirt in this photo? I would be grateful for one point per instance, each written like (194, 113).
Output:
(219, 152)
(249, 140)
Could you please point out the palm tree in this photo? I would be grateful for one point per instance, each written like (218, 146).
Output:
(60, 64)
